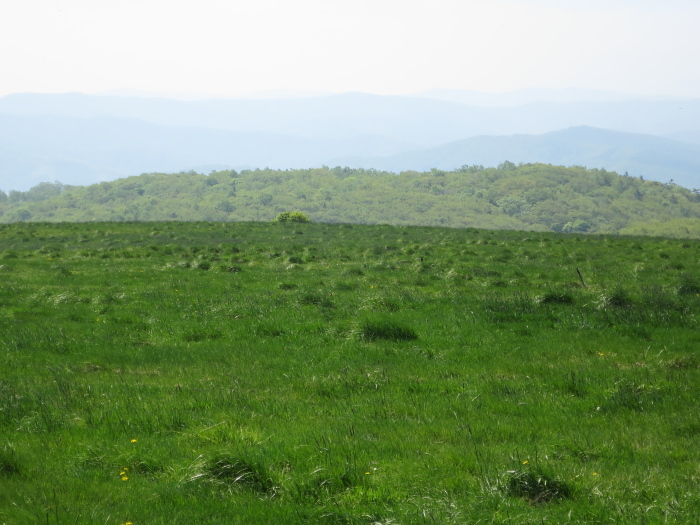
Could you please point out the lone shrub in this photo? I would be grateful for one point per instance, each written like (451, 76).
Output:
(292, 216)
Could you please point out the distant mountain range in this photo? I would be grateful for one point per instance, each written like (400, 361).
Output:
(654, 158)
(81, 139)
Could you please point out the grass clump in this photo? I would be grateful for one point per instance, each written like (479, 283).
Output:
(556, 298)
(536, 487)
(322, 487)
(385, 329)
(617, 298)
(629, 395)
(238, 472)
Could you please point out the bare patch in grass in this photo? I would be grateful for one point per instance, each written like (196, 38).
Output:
(686, 362)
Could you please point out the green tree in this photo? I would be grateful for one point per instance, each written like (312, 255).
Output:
(225, 206)
(293, 216)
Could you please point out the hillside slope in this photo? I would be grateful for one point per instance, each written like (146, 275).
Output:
(526, 197)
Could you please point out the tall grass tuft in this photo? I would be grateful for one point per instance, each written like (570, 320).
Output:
(241, 473)
(617, 298)
(374, 329)
(536, 487)
(556, 298)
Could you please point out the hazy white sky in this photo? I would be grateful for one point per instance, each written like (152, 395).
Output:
(232, 47)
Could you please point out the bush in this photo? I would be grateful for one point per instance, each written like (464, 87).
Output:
(292, 216)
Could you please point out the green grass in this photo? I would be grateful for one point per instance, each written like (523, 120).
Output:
(341, 374)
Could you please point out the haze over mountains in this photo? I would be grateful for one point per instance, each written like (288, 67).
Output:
(82, 139)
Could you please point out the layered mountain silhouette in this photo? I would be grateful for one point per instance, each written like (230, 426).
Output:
(655, 158)
(81, 139)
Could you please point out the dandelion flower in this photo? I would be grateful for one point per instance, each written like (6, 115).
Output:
(124, 478)
(525, 462)
(595, 473)
(366, 473)
(133, 441)
(122, 473)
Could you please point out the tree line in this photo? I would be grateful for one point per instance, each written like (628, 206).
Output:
(533, 196)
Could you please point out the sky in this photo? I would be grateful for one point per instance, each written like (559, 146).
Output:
(231, 48)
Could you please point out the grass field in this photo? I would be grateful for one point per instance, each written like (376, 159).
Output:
(180, 373)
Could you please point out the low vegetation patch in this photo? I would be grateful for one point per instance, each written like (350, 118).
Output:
(536, 487)
(238, 472)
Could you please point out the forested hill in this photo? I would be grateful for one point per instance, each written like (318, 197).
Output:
(520, 197)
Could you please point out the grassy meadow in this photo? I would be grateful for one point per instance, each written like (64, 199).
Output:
(180, 373)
